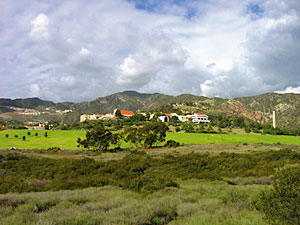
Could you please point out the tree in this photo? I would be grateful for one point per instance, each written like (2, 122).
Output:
(187, 127)
(281, 204)
(247, 129)
(148, 116)
(210, 129)
(116, 139)
(98, 138)
(131, 135)
(138, 117)
(153, 133)
(174, 119)
(118, 114)
(147, 135)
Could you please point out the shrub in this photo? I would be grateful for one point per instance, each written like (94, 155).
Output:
(54, 149)
(281, 204)
(172, 143)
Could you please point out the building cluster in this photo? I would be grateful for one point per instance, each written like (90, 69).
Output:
(195, 118)
(35, 125)
(124, 113)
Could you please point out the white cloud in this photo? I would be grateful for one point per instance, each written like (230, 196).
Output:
(290, 90)
(35, 90)
(40, 26)
(157, 56)
(84, 51)
(73, 51)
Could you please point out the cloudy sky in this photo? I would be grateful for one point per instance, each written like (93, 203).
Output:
(76, 50)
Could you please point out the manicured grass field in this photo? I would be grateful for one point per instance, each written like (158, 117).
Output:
(66, 139)
(194, 138)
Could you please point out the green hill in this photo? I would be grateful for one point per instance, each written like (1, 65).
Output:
(255, 108)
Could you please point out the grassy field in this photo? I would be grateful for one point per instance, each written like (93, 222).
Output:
(231, 138)
(193, 203)
(66, 139)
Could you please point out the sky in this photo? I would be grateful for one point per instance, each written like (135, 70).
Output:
(77, 50)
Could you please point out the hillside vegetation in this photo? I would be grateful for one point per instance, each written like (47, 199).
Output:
(255, 108)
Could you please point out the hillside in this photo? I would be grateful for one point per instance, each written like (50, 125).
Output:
(256, 108)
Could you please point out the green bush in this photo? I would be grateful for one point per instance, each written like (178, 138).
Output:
(54, 149)
(172, 143)
(281, 204)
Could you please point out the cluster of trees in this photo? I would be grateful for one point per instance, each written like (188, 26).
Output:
(101, 138)
(197, 128)
(269, 129)
(136, 171)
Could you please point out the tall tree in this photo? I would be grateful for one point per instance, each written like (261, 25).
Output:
(98, 138)
(118, 114)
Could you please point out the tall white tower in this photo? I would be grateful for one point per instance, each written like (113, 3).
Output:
(274, 119)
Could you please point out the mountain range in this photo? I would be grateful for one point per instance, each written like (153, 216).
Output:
(255, 108)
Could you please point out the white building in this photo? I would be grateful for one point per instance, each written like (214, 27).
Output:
(200, 118)
(163, 118)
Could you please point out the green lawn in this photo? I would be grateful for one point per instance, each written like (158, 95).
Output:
(66, 139)
(194, 138)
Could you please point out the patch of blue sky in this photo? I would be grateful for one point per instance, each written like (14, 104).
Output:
(256, 10)
(148, 5)
(155, 5)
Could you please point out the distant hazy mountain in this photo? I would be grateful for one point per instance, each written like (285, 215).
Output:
(256, 108)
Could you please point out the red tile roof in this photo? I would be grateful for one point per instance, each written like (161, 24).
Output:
(201, 114)
(125, 112)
